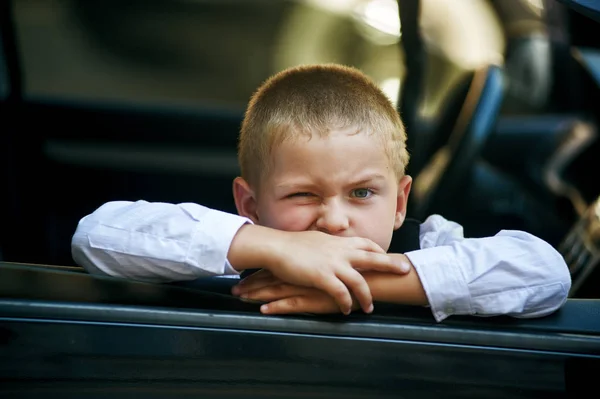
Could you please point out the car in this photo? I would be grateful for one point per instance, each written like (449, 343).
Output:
(103, 101)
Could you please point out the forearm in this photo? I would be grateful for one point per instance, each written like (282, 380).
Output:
(253, 248)
(512, 273)
(393, 288)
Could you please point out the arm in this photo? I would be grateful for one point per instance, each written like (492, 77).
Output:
(162, 242)
(402, 289)
(512, 273)
(285, 298)
(155, 242)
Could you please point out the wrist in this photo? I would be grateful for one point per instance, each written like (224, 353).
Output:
(404, 289)
(254, 247)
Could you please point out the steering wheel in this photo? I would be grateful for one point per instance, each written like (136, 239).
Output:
(437, 187)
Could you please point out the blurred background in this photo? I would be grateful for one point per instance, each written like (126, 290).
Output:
(195, 52)
(142, 99)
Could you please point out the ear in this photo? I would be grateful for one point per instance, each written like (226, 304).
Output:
(402, 200)
(245, 200)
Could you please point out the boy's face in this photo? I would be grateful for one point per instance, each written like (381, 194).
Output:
(342, 184)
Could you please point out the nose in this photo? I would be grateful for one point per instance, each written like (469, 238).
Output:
(332, 218)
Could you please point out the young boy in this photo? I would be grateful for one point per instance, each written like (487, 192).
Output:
(322, 188)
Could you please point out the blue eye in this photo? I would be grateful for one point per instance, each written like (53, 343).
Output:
(362, 193)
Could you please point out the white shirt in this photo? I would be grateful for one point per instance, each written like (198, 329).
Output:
(512, 273)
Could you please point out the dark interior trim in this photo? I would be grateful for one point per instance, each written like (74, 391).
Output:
(34, 294)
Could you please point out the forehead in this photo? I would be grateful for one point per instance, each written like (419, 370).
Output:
(338, 155)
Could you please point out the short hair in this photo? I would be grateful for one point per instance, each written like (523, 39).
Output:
(314, 99)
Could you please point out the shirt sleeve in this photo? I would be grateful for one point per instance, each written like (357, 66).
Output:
(156, 242)
(512, 273)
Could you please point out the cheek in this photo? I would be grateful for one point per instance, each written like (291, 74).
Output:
(283, 215)
(377, 224)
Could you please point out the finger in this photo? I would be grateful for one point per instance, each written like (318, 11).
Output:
(367, 245)
(253, 282)
(276, 292)
(359, 287)
(297, 304)
(333, 286)
(253, 286)
(364, 260)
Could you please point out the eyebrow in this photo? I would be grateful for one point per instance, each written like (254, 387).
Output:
(308, 185)
(294, 185)
(367, 179)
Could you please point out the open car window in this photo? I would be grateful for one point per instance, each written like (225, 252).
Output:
(144, 98)
(66, 332)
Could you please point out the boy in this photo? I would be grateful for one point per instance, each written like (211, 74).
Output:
(322, 155)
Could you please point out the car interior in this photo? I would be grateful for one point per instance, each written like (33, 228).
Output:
(103, 101)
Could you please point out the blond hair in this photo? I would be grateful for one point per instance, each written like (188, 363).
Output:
(315, 99)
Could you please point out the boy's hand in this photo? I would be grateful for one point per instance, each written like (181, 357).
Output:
(285, 298)
(316, 260)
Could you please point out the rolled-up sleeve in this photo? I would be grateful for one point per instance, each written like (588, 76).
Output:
(156, 242)
(512, 273)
